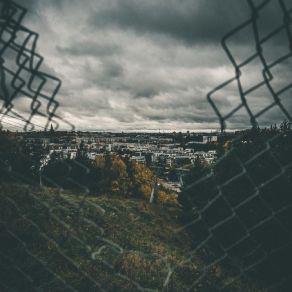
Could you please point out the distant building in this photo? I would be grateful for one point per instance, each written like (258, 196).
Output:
(209, 139)
(139, 159)
(203, 139)
(91, 155)
(172, 186)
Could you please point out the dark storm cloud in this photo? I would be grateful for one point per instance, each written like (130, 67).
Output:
(32, 5)
(113, 76)
(28, 4)
(187, 20)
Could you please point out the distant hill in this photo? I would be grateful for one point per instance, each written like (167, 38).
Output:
(52, 241)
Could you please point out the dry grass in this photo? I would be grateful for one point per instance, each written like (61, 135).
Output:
(121, 244)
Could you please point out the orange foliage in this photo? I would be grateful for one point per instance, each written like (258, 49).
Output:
(143, 180)
(164, 197)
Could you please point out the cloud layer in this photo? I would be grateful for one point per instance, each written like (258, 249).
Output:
(131, 64)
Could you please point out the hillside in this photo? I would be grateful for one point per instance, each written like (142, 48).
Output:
(54, 241)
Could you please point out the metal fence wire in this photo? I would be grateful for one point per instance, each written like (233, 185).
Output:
(21, 74)
(240, 219)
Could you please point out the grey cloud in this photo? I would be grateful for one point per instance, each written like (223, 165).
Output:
(108, 75)
(112, 70)
(187, 20)
(89, 48)
(28, 4)
(91, 106)
(136, 63)
(183, 114)
(146, 92)
(179, 108)
(193, 22)
(32, 5)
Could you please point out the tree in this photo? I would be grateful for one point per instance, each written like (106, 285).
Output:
(194, 197)
(142, 179)
(114, 175)
(15, 161)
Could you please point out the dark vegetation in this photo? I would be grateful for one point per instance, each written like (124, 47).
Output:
(241, 207)
(107, 174)
(240, 210)
(51, 240)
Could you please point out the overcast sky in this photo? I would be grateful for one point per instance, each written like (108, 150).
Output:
(149, 64)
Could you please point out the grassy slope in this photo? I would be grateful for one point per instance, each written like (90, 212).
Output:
(111, 243)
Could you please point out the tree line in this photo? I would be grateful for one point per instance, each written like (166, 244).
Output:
(108, 174)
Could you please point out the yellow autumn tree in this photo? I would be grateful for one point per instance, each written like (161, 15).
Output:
(120, 182)
(125, 178)
(100, 161)
(143, 180)
(166, 197)
(114, 174)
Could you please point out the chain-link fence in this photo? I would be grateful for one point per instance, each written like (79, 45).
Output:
(238, 215)
(21, 75)
(242, 210)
